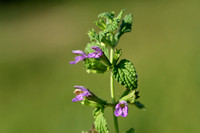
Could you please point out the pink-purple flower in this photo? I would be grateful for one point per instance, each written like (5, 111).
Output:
(121, 109)
(97, 54)
(80, 92)
(78, 58)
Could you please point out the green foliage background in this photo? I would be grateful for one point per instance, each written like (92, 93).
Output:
(36, 79)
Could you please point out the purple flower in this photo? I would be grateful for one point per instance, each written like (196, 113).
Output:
(80, 92)
(78, 58)
(121, 109)
(98, 52)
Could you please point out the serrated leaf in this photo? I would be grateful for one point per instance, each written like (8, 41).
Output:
(126, 25)
(108, 15)
(100, 37)
(100, 122)
(92, 35)
(131, 130)
(111, 27)
(128, 19)
(96, 37)
(125, 73)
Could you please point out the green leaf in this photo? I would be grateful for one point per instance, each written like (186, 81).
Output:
(100, 25)
(107, 15)
(99, 38)
(130, 98)
(111, 22)
(120, 14)
(126, 25)
(125, 73)
(100, 122)
(96, 37)
(131, 130)
(111, 27)
(102, 22)
(92, 35)
(128, 19)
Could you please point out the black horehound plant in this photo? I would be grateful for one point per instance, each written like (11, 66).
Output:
(100, 56)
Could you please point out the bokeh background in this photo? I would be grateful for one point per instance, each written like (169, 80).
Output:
(36, 79)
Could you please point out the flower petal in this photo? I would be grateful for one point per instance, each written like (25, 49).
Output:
(74, 100)
(117, 106)
(118, 112)
(78, 98)
(77, 59)
(96, 48)
(94, 55)
(73, 62)
(123, 102)
(78, 52)
(86, 93)
(97, 54)
(125, 111)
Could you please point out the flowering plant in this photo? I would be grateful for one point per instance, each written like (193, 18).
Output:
(100, 56)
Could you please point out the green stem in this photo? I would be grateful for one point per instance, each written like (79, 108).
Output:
(113, 92)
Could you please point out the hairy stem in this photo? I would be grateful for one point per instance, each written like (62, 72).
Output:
(113, 92)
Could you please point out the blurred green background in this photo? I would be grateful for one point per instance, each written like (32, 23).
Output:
(36, 79)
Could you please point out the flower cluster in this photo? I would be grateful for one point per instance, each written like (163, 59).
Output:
(97, 54)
